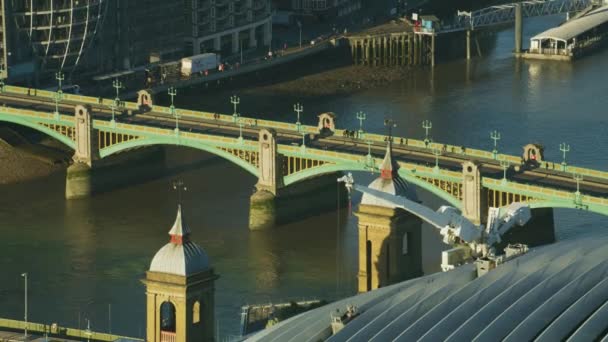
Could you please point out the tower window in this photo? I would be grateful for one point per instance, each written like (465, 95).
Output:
(196, 312)
(167, 317)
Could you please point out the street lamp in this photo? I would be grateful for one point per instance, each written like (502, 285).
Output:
(88, 331)
(24, 275)
(495, 135)
(361, 117)
(437, 153)
(565, 148)
(505, 166)
(303, 147)
(59, 94)
(117, 85)
(427, 125)
(577, 196)
(235, 100)
(369, 159)
(298, 108)
(173, 92)
(390, 124)
(241, 124)
(113, 107)
(59, 77)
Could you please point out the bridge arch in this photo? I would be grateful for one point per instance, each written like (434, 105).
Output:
(117, 148)
(42, 129)
(330, 168)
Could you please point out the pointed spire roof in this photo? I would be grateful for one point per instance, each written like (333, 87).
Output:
(180, 233)
(389, 168)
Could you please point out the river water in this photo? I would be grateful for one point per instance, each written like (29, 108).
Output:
(85, 257)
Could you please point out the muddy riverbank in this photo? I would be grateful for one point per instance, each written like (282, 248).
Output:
(17, 165)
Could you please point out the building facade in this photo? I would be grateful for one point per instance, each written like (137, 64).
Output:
(40, 38)
(82, 38)
(136, 29)
(227, 25)
(326, 7)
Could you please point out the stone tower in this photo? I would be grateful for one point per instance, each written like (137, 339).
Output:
(180, 290)
(389, 239)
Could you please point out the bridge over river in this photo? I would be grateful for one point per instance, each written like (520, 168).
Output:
(282, 154)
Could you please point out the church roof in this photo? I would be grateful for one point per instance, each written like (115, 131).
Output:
(180, 256)
(389, 182)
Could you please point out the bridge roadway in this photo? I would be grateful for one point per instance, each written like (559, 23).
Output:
(447, 160)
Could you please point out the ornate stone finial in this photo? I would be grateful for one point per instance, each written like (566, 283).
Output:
(388, 168)
(179, 232)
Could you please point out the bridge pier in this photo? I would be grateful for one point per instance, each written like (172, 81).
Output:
(273, 203)
(262, 208)
(79, 178)
(89, 175)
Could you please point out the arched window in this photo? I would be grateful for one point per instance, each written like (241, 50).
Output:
(196, 312)
(167, 317)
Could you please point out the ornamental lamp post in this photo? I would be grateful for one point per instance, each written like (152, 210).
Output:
(577, 195)
(565, 148)
(173, 92)
(59, 94)
(437, 153)
(361, 116)
(303, 147)
(390, 124)
(241, 124)
(117, 85)
(298, 108)
(235, 100)
(59, 76)
(505, 166)
(427, 125)
(495, 135)
(113, 107)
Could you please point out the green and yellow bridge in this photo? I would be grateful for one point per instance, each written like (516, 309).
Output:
(280, 154)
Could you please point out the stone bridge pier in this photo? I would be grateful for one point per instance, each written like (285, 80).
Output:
(475, 204)
(79, 178)
(274, 203)
(89, 174)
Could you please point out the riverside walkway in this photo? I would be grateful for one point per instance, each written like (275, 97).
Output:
(13, 330)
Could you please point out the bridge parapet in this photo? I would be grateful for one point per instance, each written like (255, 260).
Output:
(64, 126)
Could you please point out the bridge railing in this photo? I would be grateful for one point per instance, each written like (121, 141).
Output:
(505, 13)
(261, 123)
(542, 193)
